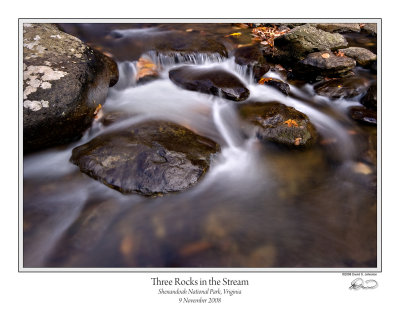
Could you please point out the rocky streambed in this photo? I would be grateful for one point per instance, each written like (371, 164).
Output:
(200, 145)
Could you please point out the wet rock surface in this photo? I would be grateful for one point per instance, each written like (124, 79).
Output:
(363, 56)
(64, 81)
(278, 123)
(341, 87)
(306, 39)
(253, 58)
(364, 115)
(150, 158)
(211, 81)
(277, 84)
(369, 100)
(324, 64)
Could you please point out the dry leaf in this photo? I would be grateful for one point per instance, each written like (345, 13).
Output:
(291, 122)
(98, 108)
(264, 80)
(325, 56)
(297, 141)
(234, 34)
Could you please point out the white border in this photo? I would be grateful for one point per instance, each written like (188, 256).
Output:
(207, 270)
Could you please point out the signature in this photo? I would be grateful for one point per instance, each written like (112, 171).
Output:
(359, 283)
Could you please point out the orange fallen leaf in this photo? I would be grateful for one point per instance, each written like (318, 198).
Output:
(195, 248)
(291, 122)
(98, 108)
(297, 141)
(339, 53)
(264, 80)
(325, 55)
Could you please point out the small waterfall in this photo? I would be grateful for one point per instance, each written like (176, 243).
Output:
(168, 59)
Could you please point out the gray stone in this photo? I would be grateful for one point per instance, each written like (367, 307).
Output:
(340, 27)
(150, 158)
(324, 64)
(306, 39)
(64, 80)
(362, 55)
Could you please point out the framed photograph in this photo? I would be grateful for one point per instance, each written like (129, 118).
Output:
(178, 148)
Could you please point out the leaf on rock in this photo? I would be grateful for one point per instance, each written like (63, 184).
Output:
(291, 123)
(325, 55)
(263, 80)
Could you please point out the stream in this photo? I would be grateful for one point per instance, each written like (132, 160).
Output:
(259, 205)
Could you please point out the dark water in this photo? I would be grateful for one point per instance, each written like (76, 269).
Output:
(258, 206)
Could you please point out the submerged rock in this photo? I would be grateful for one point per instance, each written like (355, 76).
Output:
(370, 98)
(306, 39)
(363, 56)
(64, 81)
(324, 64)
(149, 158)
(211, 81)
(278, 123)
(364, 115)
(341, 87)
(253, 58)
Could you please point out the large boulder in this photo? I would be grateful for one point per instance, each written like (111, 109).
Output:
(361, 55)
(325, 64)
(302, 40)
(252, 57)
(278, 123)
(63, 82)
(150, 158)
(212, 81)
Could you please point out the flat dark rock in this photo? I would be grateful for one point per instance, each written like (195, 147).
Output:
(325, 64)
(369, 100)
(211, 81)
(150, 158)
(364, 115)
(278, 123)
(341, 87)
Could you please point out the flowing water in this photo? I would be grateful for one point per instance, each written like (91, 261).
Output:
(258, 206)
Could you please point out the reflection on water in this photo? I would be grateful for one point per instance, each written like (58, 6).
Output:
(258, 206)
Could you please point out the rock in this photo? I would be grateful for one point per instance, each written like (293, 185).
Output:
(371, 29)
(341, 88)
(149, 158)
(64, 81)
(189, 43)
(278, 123)
(146, 71)
(253, 58)
(324, 64)
(340, 28)
(211, 81)
(369, 99)
(363, 56)
(276, 83)
(306, 39)
(362, 114)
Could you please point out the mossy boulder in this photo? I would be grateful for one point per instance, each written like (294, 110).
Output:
(64, 81)
(149, 158)
(278, 123)
(362, 56)
(305, 39)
